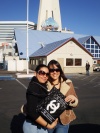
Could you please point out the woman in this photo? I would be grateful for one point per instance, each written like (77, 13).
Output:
(59, 80)
(34, 123)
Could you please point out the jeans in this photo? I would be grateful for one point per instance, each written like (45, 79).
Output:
(30, 128)
(59, 129)
(87, 72)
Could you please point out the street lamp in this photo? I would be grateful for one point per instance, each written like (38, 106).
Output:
(27, 35)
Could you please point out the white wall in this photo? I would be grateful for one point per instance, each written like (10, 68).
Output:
(12, 65)
(11, 58)
(1, 55)
(17, 65)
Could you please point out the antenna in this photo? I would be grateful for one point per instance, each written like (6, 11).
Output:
(42, 44)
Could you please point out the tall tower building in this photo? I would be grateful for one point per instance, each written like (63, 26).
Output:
(49, 17)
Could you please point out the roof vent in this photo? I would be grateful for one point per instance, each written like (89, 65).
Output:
(42, 44)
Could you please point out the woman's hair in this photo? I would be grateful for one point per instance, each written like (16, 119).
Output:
(56, 63)
(39, 67)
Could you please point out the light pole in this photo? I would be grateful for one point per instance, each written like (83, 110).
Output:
(27, 36)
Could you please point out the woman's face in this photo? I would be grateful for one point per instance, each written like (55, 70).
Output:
(54, 72)
(42, 74)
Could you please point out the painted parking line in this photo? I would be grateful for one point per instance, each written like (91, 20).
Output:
(86, 83)
(21, 83)
(89, 80)
(76, 87)
(86, 77)
(92, 79)
(96, 85)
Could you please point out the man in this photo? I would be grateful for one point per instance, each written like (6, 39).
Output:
(87, 68)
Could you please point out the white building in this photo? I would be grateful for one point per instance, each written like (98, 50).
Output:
(8, 43)
(68, 52)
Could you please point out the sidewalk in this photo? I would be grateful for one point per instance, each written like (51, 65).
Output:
(24, 75)
(21, 74)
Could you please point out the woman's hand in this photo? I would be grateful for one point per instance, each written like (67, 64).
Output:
(51, 126)
(70, 99)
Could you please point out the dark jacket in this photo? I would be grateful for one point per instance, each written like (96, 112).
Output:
(33, 99)
(87, 66)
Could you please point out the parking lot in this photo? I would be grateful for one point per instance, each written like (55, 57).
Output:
(12, 96)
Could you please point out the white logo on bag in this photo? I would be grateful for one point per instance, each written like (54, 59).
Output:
(53, 106)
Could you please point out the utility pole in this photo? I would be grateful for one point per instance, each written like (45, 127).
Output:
(27, 37)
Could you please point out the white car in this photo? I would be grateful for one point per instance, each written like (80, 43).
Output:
(96, 67)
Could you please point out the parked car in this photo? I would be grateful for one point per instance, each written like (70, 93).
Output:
(96, 67)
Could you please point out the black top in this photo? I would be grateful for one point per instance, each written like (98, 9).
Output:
(33, 99)
(87, 66)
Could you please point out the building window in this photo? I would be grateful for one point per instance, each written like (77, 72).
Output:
(37, 63)
(33, 62)
(73, 62)
(96, 51)
(92, 50)
(44, 61)
(78, 62)
(96, 47)
(92, 46)
(88, 50)
(88, 41)
(40, 61)
(69, 62)
(92, 41)
(87, 46)
(96, 55)
(30, 61)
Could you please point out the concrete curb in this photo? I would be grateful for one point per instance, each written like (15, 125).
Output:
(23, 75)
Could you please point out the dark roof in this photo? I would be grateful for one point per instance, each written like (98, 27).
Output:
(47, 49)
(51, 47)
(83, 39)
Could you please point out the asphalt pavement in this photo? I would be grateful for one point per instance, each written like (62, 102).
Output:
(12, 96)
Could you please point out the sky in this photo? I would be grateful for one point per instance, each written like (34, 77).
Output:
(80, 16)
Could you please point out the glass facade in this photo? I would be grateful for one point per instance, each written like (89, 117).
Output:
(92, 46)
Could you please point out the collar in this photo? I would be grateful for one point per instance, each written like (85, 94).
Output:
(64, 87)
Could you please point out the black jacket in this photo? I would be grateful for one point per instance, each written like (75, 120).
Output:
(87, 66)
(33, 99)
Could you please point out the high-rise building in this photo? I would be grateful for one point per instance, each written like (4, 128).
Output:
(49, 17)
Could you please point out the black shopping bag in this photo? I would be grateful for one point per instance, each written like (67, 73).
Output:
(52, 105)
